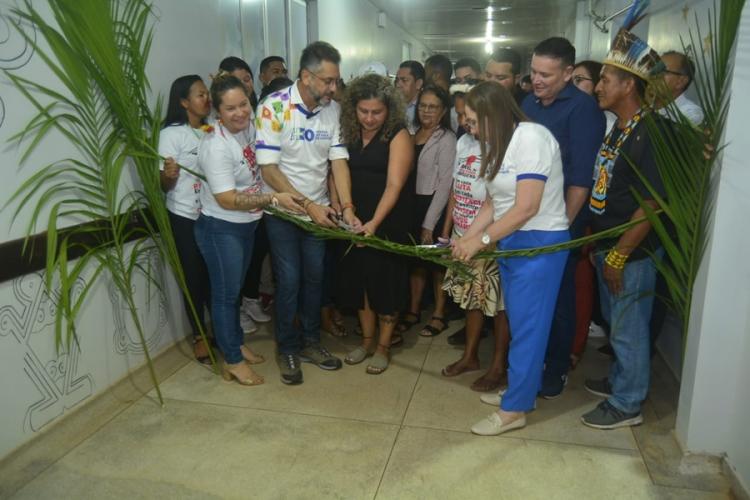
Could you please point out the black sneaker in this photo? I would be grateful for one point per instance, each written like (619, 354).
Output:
(607, 350)
(552, 386)
(605, 416)
(319, 355)
(598, 387)
(289, 366)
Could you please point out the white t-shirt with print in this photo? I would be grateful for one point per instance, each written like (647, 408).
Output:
(181, 143)
(299, 141)
(469, 190)
(533, 153)
(228, 162)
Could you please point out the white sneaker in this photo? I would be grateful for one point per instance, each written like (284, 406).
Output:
(493, 398)
(247, 324)
(254, 309)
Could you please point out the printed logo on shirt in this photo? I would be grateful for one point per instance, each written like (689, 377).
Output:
(310, 135)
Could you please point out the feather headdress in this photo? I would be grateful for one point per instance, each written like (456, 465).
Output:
(630, 53)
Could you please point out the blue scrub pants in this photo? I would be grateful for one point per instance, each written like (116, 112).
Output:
(530, 288)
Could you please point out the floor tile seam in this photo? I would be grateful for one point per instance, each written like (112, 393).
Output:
(403, 418)
(631, 451)
(643, 456)
(283, 412)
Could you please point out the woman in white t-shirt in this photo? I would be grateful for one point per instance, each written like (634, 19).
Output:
(189, 105)
(524, 208)
(480, 294)
(232, 204)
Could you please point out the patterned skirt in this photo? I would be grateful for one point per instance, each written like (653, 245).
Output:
(481, 291)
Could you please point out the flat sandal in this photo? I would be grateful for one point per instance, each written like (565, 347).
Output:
(379, 362)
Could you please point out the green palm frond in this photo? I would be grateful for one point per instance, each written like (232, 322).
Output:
(686, 157)
(98, 50)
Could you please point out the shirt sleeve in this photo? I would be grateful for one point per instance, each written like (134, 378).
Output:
(217, 164)
(446, 157)
(168, 145)
(268, 135)
(587, 124)
(533, 153)
(338, 150)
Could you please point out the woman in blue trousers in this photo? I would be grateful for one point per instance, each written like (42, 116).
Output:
(524, 208)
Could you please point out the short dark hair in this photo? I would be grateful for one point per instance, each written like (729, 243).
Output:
(233, 63)
(557, 48)
(440, 64)
(176, 114)
(278, 83)
(508, 55)
(468, 62)
(265, 63)
(594, 68)
(687, 67)
(314, 54)
(415, 67)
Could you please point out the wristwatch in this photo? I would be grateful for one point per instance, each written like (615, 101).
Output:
(485, 238)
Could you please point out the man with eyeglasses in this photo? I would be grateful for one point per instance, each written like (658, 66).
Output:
(409, 81)
(678, 76)
(576, 121)
(297, 135)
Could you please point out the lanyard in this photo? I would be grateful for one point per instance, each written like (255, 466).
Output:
(605, 162)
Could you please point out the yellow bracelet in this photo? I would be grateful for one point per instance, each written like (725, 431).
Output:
(615, 259)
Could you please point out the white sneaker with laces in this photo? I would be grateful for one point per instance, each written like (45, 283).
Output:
(247, 324)
(254, 309)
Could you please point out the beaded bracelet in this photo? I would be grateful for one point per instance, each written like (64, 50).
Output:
(615, 259)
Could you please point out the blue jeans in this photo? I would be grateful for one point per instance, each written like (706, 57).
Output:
(297, 258)
(629, 314)
(226, 248)
(530, 288)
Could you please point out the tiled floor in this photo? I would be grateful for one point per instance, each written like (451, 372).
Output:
(349, 435)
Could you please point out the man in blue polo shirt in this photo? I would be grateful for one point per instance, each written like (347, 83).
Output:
(576, 121)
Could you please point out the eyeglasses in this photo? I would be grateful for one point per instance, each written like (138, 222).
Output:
(429, 108)
(328, 82)
(580, 78)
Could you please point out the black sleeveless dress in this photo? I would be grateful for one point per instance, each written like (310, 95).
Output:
(383, 276)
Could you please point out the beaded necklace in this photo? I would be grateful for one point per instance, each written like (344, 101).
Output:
(605, 162)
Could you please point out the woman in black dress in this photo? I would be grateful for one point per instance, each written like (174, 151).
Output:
(380, 161)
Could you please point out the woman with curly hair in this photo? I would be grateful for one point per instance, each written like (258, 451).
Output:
(380, 161)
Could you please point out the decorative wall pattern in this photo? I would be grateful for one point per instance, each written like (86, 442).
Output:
(152, 309)
(55, 377)
(15, 50)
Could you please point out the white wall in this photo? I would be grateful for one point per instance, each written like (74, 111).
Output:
(714, 406)
(715, 398)
(351, 26)
(39, 385)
